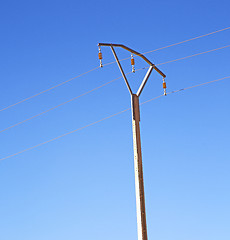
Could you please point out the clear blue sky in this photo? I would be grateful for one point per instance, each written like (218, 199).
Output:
(82, 185)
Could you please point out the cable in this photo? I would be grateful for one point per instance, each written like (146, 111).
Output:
(61, 104)
(40, 144)
(198, 85)
(58, 85)
(39, 114)
(174, 44)
(188, 40)
(113, 115)
(178, 59)
(183, 89)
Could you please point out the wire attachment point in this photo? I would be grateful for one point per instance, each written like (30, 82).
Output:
(164, 86)
(132, 63)
(100, 56)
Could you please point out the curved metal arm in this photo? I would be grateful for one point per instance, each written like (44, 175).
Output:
(136, 53)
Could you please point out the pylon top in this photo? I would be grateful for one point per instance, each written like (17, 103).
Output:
(136, 53)
(152, 66)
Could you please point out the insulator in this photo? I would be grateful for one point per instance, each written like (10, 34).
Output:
(100, 57)
(132, 63)
(164, 87)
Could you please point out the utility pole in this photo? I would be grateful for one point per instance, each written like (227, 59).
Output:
(139, 181)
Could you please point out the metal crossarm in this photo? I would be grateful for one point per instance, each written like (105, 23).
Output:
(134, 52)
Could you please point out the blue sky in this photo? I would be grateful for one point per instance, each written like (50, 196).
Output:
(82, 185)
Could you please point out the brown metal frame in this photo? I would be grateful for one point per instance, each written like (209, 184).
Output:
(136, 53)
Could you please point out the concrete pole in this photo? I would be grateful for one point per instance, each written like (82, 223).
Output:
(139, 181)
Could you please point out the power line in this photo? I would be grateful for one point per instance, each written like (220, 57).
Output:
(39, 114)
(61, 104)
(48, 89)
(183, 89)
(51, 140)
(178, 59)
(188, 40)
(174, 44)
(113, 115)
(50, 109)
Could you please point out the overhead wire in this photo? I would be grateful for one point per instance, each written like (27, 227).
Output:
(178, 59)
(48, 89)
(61, 104)
(188, 40)
(183, 89)
(113, 115)
(46, 111)
(71, 79)
(175, 44)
